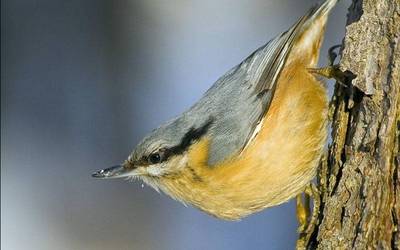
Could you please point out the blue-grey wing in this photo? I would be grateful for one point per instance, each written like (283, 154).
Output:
(237, 102)
(240, 98)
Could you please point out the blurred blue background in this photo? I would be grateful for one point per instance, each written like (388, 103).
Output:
(83, 81)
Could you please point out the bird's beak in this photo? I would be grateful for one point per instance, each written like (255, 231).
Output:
(117, 171)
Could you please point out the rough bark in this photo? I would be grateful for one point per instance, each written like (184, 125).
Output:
(359, 180)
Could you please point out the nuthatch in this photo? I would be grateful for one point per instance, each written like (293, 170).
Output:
(255, 137)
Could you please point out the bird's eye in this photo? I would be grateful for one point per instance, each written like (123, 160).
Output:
(154, 158)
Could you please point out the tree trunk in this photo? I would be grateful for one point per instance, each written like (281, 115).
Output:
(359, 180)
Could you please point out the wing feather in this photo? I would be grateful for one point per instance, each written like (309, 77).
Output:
(240, 98)
(278, 49)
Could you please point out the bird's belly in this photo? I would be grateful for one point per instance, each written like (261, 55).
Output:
(278, 163)
(284, 155)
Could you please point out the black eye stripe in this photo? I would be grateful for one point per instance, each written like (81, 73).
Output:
(194, 134)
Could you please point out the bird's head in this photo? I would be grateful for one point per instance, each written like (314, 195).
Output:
(161, 153)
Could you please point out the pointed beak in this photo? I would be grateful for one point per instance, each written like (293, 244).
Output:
(117, 171)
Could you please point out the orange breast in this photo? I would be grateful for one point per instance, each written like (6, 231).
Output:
(274, 167)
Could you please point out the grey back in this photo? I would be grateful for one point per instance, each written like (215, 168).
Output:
(236, 102)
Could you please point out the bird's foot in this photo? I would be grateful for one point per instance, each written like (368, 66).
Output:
(313, 192)
(307, 222)
(331, 72)
(303, 211)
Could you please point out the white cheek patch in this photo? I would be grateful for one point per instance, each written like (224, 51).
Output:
(182, 162)
(156, 169)
(172, 165)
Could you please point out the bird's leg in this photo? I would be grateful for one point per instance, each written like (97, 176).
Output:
(312, 191)
(303, 207)
(306, 222)
(303, 211)
(332, 71)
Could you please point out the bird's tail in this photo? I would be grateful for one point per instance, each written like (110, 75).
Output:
(302, 40)
(325, 8)
(311, 32)
(320, 11)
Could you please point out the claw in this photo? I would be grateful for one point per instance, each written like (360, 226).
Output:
(306, 221)
(331, 72)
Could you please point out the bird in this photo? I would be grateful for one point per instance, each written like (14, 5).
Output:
(253, 140)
